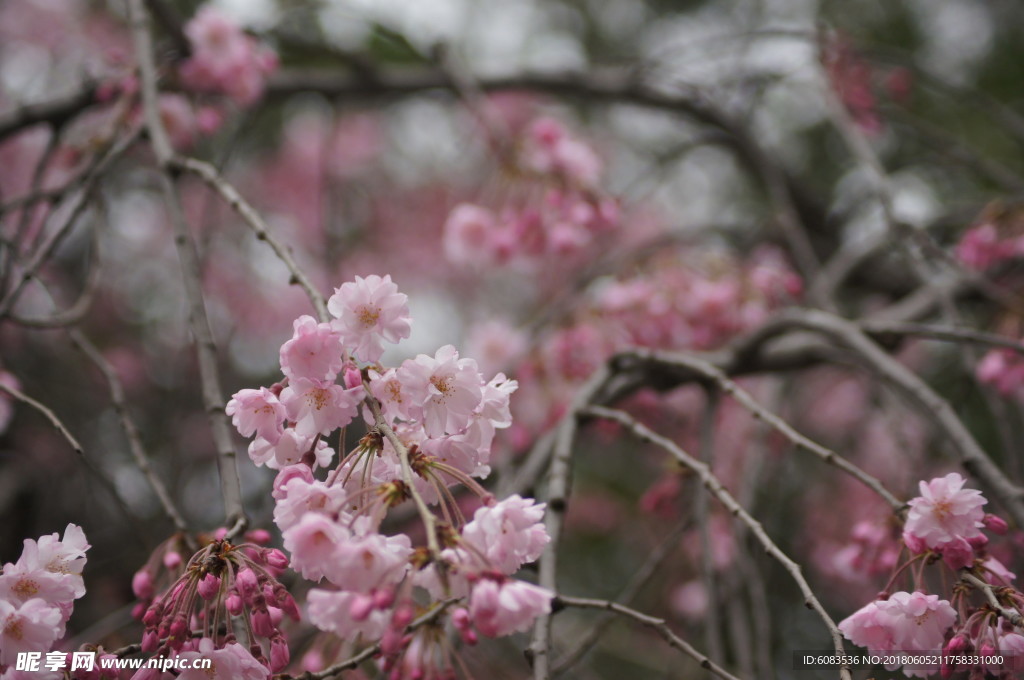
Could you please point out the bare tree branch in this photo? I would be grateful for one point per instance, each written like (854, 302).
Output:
(715, 488)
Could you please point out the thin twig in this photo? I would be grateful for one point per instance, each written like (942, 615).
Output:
(747, 401)
(638, 580)
(128, 425)
(714, 487)
(47, 413)
(937, 332)
(657, 624)
(974, 458)
(368, 653)
(213, 399)
(557, 498)
(1011, 615)
(81, 201)
(209, 174)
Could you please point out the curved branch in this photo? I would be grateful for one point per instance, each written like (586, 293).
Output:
(715, 488)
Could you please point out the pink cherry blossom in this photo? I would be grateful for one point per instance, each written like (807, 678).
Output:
(868, 627)
(944, 512)
(369, 311)
(331, 611)
(313, 352)
(31, 626)
(469, 235)
(257, 412)
(507, 606)
(509, 533)
(445, 389)
(311, 542)
(319, 407)
(231, 662)
(289, 449)
(362, 563)
(224, 59)
(918, 621)
(299, 495)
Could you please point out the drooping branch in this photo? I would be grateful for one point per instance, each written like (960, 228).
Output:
(557, 498)
(209, 174)
(931, 404)
(213, 398)
(715, 488)
(657, 624)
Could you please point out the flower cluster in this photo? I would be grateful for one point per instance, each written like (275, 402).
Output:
(225, 60)
(37, 593)
(982, 247)
(191, 609)
(944, 525)
(555, 208)
(431, 421)
(1003, 369)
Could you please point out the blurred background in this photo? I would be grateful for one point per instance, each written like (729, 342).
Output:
(702, 129)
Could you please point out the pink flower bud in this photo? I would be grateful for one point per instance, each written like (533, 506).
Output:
(150, 641)
(178, 627)
(276, 559)
(460, 618)
(279, 655)
(352, 377)
(234, 604)
(172, 559)
(208, 587)
(361, 607)
(258, 536)
(383, 598)
(246, 582)
(152, 615)
(979, 541)
(261, 623)
(997, 525)
(286, 602)
(402, 617)
(391, 642)
(142, 584)
(139, 610)
(276, 616)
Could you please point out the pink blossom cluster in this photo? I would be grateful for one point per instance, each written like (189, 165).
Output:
(981, 247)
(554, 209)
(37, 593)
(1003, 369)
(224, 60)
(903, 622)
(947, 519)
(678, 301)
(944, 526)
(431, 421)
(220, 582)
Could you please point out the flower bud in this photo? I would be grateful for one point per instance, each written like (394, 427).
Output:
(208, 587)
(172, 559)
(997, 525)
(258, 536)
(234, 604)
(361, 607)
(246, 582)
(276, 559)
(279, 654)
(142, 584)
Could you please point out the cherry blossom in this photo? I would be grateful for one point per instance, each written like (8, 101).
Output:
(505, 606)
(313, 352)
(944, 512)
(257, 412)
(368, 311)
(509, 533)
